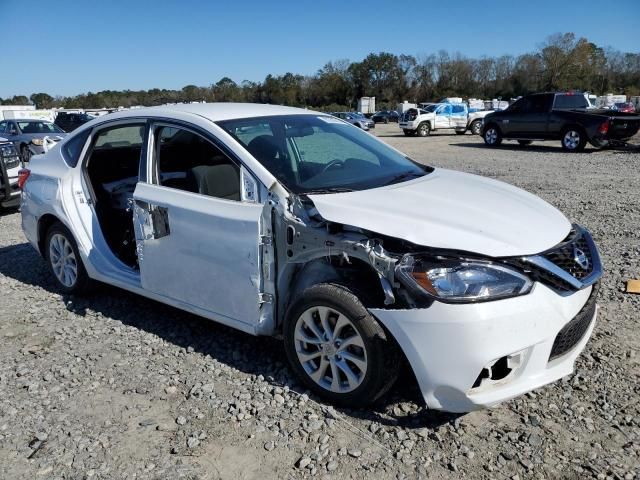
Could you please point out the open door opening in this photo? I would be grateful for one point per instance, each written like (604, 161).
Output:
(113, 171)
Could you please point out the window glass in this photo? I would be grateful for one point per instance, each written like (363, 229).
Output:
(313, 153)
(39, 127)
(457, 109)
(3, 127)
(124, 136)
(187, 161)
(73, 147)
(570, 101)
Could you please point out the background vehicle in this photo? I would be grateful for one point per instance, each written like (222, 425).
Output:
(356, 119)
(559, 116)
(625, 107)
(385, 116)
(10, 165)
(441, 116)
(280, 221)
(28, 135)
(70, 121)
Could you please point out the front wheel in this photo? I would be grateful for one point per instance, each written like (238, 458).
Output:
(476, 127)
(492, 136)
(25, 152)
(337, 348)
(573, 140)
(424, 129)
(64, 260)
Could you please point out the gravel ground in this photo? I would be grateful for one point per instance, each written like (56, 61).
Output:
(117, 386)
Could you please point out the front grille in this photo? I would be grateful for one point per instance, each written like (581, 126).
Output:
(11, 162)
(575, 330)
(564, 256)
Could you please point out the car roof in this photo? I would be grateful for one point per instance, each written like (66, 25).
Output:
(216, 111)
(28, 120)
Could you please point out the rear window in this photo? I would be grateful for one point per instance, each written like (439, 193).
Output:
(567, 102)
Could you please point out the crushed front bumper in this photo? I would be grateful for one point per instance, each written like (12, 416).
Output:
(455, 349)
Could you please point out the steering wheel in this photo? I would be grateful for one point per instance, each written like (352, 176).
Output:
(333, 164)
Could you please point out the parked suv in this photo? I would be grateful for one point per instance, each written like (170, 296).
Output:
(559, 116)
(290, 223)
(70, 121)
(10, 165)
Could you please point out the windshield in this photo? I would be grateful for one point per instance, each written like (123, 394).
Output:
(39, 127)
(431, 108)
(321, 154)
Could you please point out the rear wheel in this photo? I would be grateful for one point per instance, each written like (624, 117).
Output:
(63, 258)
(424, 129)
(524, 142)
(573, 139)
(337, 348)
(492, 136)
(476, 127)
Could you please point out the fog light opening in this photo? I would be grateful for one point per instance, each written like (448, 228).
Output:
(498, 369)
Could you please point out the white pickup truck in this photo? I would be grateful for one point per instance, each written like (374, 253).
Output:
(440, 116)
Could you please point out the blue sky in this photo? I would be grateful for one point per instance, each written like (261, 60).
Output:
(71, 47)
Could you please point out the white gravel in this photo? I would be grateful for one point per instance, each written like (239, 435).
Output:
(117, 386)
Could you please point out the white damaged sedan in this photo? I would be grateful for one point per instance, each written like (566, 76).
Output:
(284, 222)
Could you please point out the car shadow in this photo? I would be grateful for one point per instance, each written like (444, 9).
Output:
(402, 407)
(6, 211)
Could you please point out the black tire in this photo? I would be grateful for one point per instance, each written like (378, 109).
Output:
(25, 153)
(524, 143)
(573, 139)
(82, 283)
(409, 133)
(382, 353)
(476, 127)
(492, 136)
(424, 129)
(386, 120)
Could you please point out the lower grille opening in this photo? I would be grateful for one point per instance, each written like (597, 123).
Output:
(499, 369)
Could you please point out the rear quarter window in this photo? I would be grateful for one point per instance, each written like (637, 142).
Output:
(72, 148)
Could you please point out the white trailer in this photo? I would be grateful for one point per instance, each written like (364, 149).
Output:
(48, 115)
(404, 106)
(367, 105)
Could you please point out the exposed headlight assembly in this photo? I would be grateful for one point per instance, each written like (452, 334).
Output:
(454, 280)
(37, 141)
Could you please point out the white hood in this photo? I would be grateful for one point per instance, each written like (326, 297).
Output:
(453, 210)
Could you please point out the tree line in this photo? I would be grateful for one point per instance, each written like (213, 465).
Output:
(561, 62)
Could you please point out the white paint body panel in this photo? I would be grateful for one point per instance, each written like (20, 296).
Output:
(452, 210)
(210, 257)
(447, 345)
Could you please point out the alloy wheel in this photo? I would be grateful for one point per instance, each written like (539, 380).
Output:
(63, 260)
(330, 349)
(571, 139)
(491, 136)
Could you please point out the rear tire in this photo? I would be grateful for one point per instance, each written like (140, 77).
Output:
(573, 139)
(492, 136)
(476, 127)
(64, 261)
(318, 324)
(424, 129)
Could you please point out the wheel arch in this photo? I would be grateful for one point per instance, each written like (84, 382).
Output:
(44, 224)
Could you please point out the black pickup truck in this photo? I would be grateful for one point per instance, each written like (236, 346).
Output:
(10, 164)
(559, 116)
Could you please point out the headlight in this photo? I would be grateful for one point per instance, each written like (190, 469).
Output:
(461, 281)
(37, 141)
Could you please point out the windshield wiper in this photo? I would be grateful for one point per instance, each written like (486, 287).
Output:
(404, 176)
(321, 191)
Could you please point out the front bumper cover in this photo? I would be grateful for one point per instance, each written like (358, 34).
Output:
(449, 345)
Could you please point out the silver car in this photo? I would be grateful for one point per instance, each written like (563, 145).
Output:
(30, 135)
